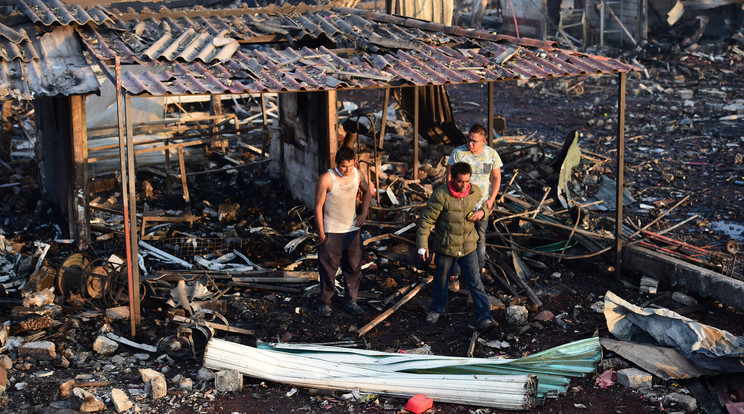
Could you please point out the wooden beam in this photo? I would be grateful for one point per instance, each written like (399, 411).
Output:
(7, 130)
(79, 194)
(620, 176)
(416, 127)
(395, 307)
(332, 126)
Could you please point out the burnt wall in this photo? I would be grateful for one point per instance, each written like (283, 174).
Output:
(307, 142)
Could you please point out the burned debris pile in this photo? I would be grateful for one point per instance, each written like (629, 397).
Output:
(231, 270)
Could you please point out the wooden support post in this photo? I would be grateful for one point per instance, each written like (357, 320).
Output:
(184, 181)
(620, 176)
(643, 21)
(490, 113)
(619, 22)
(384, 118)
(79, 194)
(416, 126)
(601, 23)
(168, 171)
(544, 25)
(215, 108)
(126, 157)
(265, 141)
(7, 129)
(331, 114)
(134, 291)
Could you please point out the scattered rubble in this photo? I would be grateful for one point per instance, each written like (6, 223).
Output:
(238, 267)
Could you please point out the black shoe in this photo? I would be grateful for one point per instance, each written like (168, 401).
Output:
(354, 308)
(487, 324)
(324, 311)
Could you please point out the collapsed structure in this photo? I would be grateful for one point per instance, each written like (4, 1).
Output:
(305, 54)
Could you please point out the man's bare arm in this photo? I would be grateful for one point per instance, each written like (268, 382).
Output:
(322, 187)
(495, 180)
(366, 199)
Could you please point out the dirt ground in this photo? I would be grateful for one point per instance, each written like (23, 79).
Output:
(676, 146)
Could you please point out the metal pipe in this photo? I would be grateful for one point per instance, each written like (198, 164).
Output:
(620, 176)
(490, 113)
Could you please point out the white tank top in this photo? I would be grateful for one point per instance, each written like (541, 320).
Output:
(339, 210)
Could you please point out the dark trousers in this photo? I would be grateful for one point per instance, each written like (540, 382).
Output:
(344, 249)
(468, 265)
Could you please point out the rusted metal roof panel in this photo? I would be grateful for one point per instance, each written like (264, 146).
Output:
(275, 49)
(307, 48)
(50, 12)
(63, 69)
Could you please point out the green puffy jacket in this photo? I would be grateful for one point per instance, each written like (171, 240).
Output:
(453, 234)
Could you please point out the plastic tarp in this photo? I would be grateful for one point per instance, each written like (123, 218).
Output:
(704, 345)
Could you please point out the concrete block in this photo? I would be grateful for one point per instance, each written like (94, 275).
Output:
(120, 400)
(649, 285)
(89, 402)
(228, 380)
(39, 350)
(634, 378)
(155, 384)
(119, 313)
(105, 346)
(680, 401)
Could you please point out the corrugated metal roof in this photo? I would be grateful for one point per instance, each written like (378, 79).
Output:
(274, 49)
(15, 44)
(49, 12)
(59, 68)
(208, 51)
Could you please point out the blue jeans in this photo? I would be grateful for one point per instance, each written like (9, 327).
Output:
(468, 265)
(480, 228)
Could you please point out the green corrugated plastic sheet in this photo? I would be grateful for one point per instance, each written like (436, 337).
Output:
(553, 367)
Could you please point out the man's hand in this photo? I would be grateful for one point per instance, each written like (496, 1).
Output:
(321, 238)
(490, 203)
(360, 220)
(425, 255)
(477, 215)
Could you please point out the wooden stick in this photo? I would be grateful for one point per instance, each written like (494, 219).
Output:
(514, 176)
(659, 217)
(399, 292)
(218, 326)
(395, 307)
(539, 205)
(473, 339)
(679, 224)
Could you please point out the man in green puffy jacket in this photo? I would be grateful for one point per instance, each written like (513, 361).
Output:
(449, 218)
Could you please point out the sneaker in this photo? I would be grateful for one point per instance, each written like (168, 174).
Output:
(487, 324)
(324, 311)
(454, 284)
(432, 318)
(354, 308)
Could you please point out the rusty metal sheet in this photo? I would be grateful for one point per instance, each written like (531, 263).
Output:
(300, 48)
(49, 12)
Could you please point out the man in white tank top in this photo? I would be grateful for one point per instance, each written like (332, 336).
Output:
(338, 226)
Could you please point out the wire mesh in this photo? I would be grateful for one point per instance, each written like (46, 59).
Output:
(185, 247)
